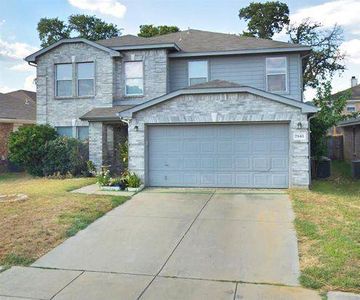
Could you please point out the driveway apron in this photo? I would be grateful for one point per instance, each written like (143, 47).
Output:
(174, 244)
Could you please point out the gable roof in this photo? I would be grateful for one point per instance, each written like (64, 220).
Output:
(17, 108)
(23, 94)
(32, 58)
(199, 41)
(354, 91)
(216, 87)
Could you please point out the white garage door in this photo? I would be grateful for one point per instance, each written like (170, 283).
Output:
(219, 155)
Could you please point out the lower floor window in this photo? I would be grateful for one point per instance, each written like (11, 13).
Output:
(81, 132)
(64, 131)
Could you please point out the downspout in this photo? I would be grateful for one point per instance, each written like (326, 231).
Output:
(310, 159)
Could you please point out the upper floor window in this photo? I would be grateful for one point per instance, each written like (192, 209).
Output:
(134, 78)
(276, 74)
(85, 79)
(350, 108)
(198, 72)
(63, 78)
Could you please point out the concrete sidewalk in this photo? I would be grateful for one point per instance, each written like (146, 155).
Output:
(185, 244)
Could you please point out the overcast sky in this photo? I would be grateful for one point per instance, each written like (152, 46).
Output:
(19, 38)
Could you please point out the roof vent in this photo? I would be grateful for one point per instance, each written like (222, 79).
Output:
(354, 81)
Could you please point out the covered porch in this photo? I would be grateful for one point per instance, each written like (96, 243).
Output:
(106, 132)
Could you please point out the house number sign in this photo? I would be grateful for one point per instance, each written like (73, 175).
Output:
(300, 137)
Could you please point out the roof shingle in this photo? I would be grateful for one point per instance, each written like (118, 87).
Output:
(200, 41)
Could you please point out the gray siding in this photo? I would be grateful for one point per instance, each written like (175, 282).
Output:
(246, 70)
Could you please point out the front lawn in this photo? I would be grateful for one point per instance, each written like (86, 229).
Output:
(31, 228)
(328, 227)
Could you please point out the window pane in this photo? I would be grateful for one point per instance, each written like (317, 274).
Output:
(83, 133)
(85, 87)
(134, 87)
(197, 80)
(64, 88)
(85, 70)
(198, 69)
(134, 69)
(350, 108)
(276, 83)
(276, 64)
(64, 71)
(64, 131)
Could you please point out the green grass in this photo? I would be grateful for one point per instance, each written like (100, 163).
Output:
(328, 227)
(31, 228)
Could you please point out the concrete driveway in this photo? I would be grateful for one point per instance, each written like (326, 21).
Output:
(174, 244)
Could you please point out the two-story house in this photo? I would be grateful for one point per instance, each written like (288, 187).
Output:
(199, 109)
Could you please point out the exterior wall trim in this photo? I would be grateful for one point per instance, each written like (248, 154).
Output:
(32, 58)
(243, 89)
(232, 52)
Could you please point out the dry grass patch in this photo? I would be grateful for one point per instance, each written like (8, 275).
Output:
(328, 227)
(31, 228)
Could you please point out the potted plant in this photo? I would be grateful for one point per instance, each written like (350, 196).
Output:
(132, 181)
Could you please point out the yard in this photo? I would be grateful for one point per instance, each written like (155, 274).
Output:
(31, 228)
(328, 228)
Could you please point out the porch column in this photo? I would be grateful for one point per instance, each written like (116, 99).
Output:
(97, 143)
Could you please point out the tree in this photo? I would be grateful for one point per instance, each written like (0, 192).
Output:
(151, 30)
(330, 114)
(92, 28)
(326, 58)
(27, 146)
(265, 19)
(52, 30)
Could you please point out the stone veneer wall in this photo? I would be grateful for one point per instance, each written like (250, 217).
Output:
(155, 74)
(220, 108)
(62, 111)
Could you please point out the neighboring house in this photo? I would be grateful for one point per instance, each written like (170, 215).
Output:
(16, 109)
(200, 109)
(351, 138)
(353, 104)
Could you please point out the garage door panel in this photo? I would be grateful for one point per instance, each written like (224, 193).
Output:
(218, 155)
(260, 164)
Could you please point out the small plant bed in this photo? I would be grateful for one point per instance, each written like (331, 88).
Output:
(128, 181)
(328, 229)
(31, 228)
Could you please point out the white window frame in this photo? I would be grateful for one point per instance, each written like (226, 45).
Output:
(207, 70)
(77, 78)
(126, 78)
(286, 71)
(56, 81)
(352, 106)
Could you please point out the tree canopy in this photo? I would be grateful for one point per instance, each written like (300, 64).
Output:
(265, 19)
(92, 28)
(151, 30)
(326, 58)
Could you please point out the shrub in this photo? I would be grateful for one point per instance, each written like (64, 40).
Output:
(104, 178)
(27, 147)
(131, 180)
(66, 155)
(124, 153)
